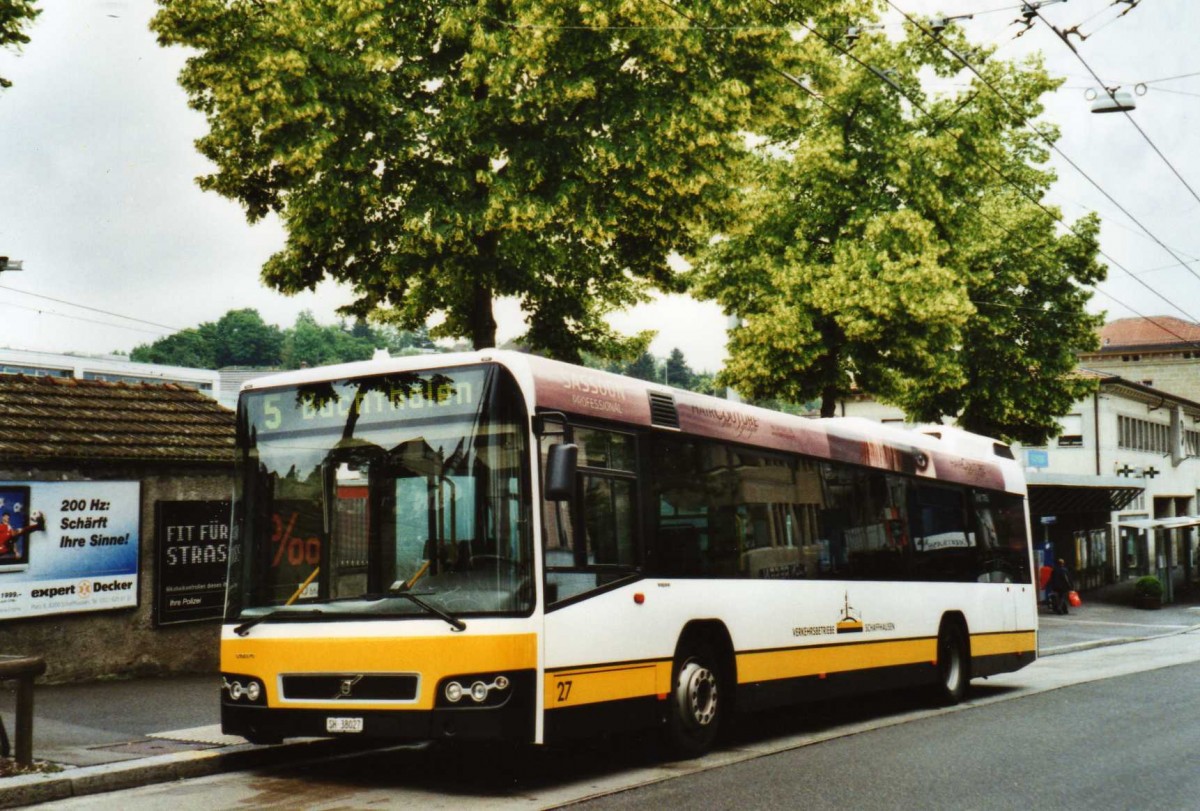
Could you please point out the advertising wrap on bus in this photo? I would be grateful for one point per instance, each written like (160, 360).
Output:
(68, 547)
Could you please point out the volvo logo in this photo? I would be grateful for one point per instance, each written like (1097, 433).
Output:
(346, 688)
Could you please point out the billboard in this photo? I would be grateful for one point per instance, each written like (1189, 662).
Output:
(192, 554)
(67, 547)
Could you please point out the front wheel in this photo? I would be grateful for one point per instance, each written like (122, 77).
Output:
(953, 664)
(695, 704)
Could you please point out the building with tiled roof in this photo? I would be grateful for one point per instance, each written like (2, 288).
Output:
(1160, 351)
(55, 419)
(109, 368)
(115, 499)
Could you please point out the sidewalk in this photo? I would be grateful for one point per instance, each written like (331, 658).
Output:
(1107, 617)
(119, 734)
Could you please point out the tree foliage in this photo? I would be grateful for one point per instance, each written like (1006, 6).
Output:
(242, 338)
(879, 249)
(644, 367)
(15, 15)
(673, 370)
(677, 372)
(434, 156)
(238, 338)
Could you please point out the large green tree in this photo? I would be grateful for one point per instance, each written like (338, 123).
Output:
(308, 343)
(242, 338)
(238, 338)
(677, 372)
(882, 246)
(435, 156)
(15, 15)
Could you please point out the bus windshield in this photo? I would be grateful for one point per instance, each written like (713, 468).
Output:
(394, 495)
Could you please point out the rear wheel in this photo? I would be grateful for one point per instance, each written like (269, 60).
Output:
(953, 663)
(696, 704)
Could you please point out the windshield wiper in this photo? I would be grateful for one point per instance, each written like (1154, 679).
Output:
(245, 627)
(454, 621)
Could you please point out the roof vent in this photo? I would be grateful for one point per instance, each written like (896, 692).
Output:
(662, 410)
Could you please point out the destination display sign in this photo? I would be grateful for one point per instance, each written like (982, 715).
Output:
(360, 403)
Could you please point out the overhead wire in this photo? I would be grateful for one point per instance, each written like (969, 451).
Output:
(880, 75)
(1050, 142)
(1016, 186)
(91, 309)
(938, 124)
(1112, 94)
(95, 310)
(57, 314)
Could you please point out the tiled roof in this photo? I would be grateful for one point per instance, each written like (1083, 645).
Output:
(1161, 330)
(47, 418)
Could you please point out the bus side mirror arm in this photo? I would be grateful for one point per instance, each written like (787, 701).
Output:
(562, 460)
(551, 423)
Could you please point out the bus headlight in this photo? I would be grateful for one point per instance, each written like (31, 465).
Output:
(485, 690)
(237, 689)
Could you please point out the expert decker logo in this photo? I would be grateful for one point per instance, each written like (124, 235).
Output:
(50, 592)
(84, 588)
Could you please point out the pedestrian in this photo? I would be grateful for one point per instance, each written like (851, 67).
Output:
(1059, 588)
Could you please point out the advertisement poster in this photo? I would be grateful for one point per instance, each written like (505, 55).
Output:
(192, 555)
(67, 547)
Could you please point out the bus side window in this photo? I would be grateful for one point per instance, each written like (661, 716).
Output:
(944, 550)
(593, 541)
(1000, 526)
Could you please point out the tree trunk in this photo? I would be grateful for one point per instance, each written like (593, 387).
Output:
(829, 402)
(483, 320)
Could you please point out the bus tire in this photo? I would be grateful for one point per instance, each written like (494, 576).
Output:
(953, 663)
(696, 703)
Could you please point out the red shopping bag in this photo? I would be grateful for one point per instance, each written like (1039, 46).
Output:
(1073, 599)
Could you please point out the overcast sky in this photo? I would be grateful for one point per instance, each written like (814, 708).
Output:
(97, 191)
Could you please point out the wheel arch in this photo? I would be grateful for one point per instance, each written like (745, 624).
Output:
(714, 634)
(959, 619)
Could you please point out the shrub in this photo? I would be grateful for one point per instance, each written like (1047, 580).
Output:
(1148, 586)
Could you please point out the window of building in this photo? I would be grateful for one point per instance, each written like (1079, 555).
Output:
(113, 377)
(1072, 431)
(33, 371)
(1135, 434)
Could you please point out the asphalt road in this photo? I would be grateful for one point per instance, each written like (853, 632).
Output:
(1121, 743)
(1101, 728)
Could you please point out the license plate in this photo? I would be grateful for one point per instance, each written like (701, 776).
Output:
(343, 725)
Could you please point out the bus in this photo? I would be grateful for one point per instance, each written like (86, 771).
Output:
(497, 546)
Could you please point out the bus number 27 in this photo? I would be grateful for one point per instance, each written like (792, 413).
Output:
(564, 690)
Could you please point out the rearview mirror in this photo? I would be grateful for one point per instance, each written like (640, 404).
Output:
(561, 462)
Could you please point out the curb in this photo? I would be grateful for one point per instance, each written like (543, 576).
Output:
(31, 789)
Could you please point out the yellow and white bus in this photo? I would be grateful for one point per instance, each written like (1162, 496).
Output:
(494, 545)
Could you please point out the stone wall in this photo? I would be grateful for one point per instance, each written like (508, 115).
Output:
(123, 643)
